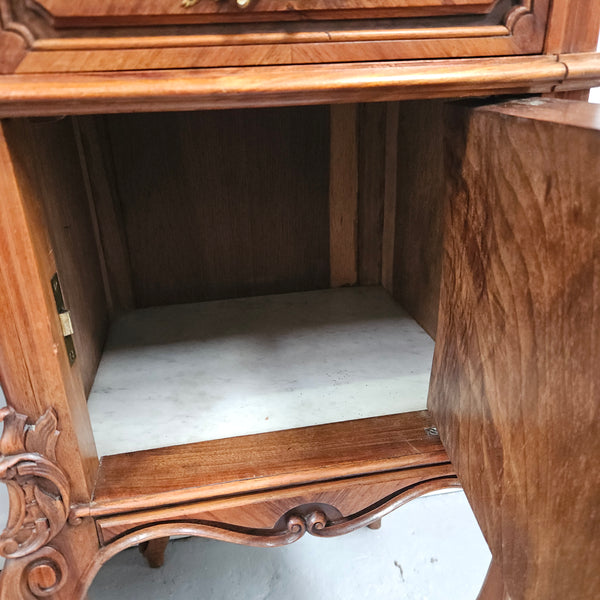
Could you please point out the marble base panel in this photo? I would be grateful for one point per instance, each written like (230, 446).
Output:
(188, 373)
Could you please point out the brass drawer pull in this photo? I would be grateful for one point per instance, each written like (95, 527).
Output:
(240, 3)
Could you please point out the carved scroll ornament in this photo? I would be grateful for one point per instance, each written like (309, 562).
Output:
(38, 488)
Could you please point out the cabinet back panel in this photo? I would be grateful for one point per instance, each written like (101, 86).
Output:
(225, 203)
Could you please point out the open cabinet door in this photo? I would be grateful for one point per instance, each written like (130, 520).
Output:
(515, 388)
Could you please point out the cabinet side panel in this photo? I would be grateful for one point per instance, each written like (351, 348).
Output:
(418, 218)
(572, 27)
(98, 167)
(514, 387)
(48, 160)
(225, 203)
(34, 367)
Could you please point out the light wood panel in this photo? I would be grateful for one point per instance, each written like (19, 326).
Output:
(418, 213)
(514, 387)
(47, 156)
(34, 366)
(131, 59)
(223, 204)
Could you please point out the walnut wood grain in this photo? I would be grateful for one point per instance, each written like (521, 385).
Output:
(36, 376)
(97, 165)
(135, 36)
(65, 13)
(493, 586)
(343, 195)
(46, 154)
(154, 551)
(244, 193)
(34, 366)
(216, 468)
(371, 187)
(388, 242)
(514, 387)
(130, 59)
(351, 502)
(311, 518)
(572, 27)
(581, 67)
(417, 258)
(279, 86)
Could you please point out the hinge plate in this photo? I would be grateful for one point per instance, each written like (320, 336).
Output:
(65, 319)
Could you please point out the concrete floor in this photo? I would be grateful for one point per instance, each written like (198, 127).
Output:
(430, 549)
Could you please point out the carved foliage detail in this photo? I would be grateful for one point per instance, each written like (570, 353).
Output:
(38, 488)
(40, 575)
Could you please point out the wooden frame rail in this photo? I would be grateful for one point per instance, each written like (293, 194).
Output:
(150, 91)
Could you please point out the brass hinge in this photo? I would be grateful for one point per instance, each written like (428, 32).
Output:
(65, 319)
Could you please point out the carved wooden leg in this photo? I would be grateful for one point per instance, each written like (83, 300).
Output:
(375, 524)
(493, 586)
(154, 551)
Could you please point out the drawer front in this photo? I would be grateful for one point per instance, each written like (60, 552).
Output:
(66, 13)
(57, 36)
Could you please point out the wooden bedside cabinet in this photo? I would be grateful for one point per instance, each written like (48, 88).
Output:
(342, 292)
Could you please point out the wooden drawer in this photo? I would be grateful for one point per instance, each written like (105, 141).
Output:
(57, 36)
(65, 13)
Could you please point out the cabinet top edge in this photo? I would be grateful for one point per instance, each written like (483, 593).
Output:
(218, 88)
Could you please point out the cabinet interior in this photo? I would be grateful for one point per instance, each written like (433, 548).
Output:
(242, 271)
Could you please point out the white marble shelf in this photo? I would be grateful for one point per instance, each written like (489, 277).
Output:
(193, 372)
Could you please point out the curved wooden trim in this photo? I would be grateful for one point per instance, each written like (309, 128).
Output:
(33, 95)
(339, 499)
(39, 575)
(270, 37)
(8, 23)
(379, 510)
(296, 523)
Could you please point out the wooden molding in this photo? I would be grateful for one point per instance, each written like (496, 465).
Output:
(66, 13)
(294, 524)
(15, 40)
(36, 95)
(219, 468)
(349, 503)
(151, 39)
(38, 487)
(9, 23)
